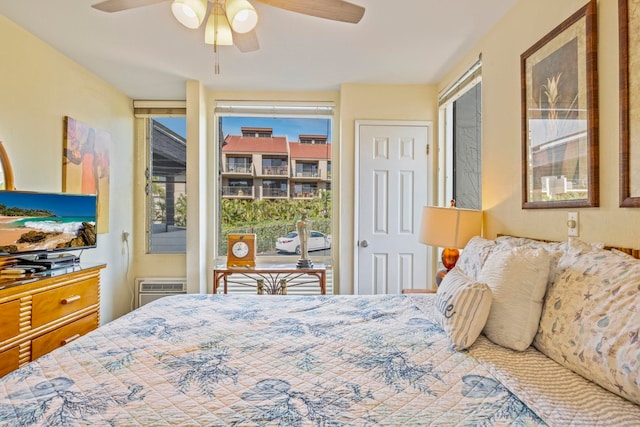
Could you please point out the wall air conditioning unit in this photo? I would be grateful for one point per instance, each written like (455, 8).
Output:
(152, 288)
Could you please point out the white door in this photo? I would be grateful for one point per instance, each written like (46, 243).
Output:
(393, 173)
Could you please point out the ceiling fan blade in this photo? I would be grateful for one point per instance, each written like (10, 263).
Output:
(118, 5)
(246, 42)
(335, 10)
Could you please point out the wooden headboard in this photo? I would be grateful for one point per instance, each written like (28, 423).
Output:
(633, 252)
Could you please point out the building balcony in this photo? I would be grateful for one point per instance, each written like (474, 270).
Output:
(309, 194)
(239, 169)
(309, 175)
(237, 192)
(275, 171)
(274, 193)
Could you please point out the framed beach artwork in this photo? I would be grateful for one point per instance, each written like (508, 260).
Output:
(629, 38)
(560, 116)
(85, 165)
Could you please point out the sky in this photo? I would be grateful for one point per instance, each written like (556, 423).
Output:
(61, 204)
(289, 127)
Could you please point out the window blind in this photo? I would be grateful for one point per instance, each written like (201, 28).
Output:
(467, 79)
(262, 108)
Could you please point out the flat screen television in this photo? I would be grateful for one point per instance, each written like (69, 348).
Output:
(39, 223)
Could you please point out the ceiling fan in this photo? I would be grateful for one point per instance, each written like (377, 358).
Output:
(233, 21)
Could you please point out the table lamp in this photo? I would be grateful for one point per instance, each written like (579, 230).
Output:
(450, 228)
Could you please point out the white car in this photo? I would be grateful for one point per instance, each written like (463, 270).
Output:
(291, 242)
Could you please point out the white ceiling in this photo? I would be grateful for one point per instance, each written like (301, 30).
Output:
(147, 54)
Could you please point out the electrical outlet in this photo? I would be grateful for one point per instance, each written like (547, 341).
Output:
(125, 236)
(572, 224)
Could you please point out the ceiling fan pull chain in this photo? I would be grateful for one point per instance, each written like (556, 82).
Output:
(216, 67)
(216, 28)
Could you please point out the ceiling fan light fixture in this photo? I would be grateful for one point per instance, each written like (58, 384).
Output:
(189, 13)
(218, 31)
(242, 15)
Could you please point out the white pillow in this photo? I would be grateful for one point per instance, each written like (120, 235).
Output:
(518, 280)
(462, 306)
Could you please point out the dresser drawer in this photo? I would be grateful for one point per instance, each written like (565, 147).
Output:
(59, 302)
(9, 360)
(63, 335)
(9, 319)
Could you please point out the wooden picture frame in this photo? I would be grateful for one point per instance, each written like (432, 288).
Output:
(559, 83)
(629, 57)
(6, 171)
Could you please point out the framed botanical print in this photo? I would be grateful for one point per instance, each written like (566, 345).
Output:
(560, 115)
(629, 36)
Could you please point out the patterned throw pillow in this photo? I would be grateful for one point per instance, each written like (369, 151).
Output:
(591, 320)
(518, 281)
(462, 307)
(474, 255)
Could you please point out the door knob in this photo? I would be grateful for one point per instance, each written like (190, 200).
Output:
(364, 243)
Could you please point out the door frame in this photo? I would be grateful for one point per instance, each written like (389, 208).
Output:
(356, 186)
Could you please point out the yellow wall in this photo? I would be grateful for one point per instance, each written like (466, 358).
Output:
(523, 26)
(40, 86)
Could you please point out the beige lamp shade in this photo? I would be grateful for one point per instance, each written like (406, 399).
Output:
(449, 227)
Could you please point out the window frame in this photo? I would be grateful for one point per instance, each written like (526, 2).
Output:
(148, 115)
(463, 85)
(281, 110)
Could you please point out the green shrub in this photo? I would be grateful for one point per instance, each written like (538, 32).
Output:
(271, 219)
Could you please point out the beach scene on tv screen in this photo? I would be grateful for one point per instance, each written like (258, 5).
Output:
(40, 221)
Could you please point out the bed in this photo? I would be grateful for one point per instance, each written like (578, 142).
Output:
(269, 360)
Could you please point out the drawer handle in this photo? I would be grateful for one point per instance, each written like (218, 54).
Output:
(69, 300)
(70, 339)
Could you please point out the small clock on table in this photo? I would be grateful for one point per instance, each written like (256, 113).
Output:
(241, 250)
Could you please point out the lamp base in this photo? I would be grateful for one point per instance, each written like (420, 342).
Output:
(440, 275)
(449, 258)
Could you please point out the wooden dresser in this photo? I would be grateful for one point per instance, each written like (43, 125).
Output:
(44, 311)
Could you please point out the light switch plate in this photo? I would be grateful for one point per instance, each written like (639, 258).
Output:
(572, 224)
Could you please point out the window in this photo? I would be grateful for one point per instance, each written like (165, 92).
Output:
(166, 185)
(304, 169)
(239, 164)
(274, 166)
(305, 190)
(461, 113)
(274, 188)
(238, 188)
(288, 159)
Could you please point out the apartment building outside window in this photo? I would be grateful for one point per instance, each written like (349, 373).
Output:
(286, 159)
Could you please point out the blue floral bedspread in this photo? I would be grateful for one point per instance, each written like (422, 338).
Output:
(238, 360)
